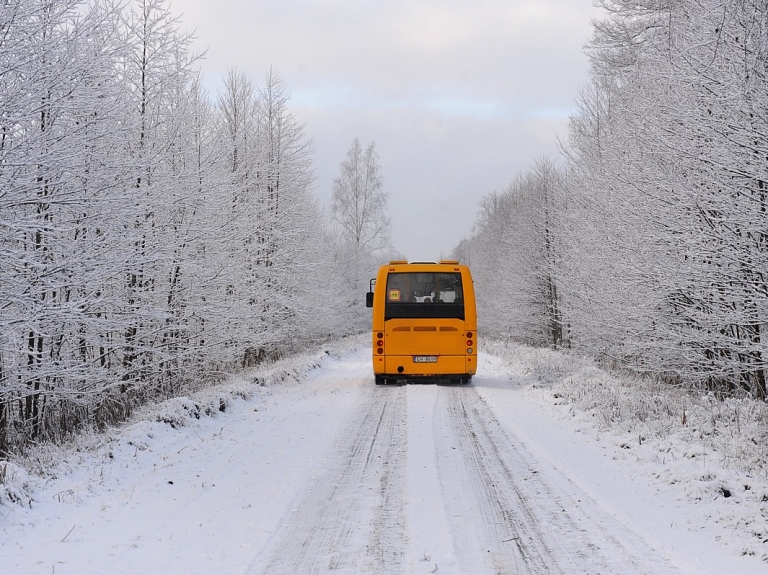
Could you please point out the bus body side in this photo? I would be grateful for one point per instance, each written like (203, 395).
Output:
(415, 337)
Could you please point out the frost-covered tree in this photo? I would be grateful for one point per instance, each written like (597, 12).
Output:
(61, 203)
(275, 246)
(669, 188)
(659, 255)
(515, 258)
(156, 72)
(149, 235)
(359, 210)
(359, 200)
(290, 229)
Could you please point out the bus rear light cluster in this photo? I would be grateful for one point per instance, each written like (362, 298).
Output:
(380, 343)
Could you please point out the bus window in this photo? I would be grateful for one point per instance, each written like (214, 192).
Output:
(424, 295)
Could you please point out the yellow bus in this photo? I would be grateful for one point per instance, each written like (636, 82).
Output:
(424, 322)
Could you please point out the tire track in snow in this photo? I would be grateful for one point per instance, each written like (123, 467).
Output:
(490, 512)
(351, 518)
(519, 515)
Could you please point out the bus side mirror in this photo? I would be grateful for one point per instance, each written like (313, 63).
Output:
(369, 299)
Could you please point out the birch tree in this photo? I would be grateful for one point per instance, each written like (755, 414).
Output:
(359, 209)
(359, 201)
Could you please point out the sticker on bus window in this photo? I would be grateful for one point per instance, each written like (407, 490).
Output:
(394, 295)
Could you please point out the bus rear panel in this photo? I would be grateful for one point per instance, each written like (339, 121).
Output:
(424, 322)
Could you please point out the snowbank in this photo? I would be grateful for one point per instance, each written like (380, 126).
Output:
(713, 449)
(22, 477)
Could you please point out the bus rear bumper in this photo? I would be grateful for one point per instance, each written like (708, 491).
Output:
(405, 367)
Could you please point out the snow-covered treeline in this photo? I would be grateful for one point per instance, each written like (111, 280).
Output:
(150, 234)
(649, 248)
(514, 257)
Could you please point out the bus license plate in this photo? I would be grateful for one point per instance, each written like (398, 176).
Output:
(425, 359)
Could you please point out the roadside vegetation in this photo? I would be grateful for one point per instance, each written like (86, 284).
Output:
(153, 236)
(712, 448)
(643, 411)
(647, 248)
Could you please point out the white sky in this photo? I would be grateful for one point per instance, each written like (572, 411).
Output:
(458, 95)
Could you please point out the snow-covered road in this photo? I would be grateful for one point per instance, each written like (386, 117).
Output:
(334, 474)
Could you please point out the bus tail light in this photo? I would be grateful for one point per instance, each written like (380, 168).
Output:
(380, 350)
(469, 342)
(469, 335)
(469, 350)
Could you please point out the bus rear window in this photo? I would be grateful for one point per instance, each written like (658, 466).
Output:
(424, 295)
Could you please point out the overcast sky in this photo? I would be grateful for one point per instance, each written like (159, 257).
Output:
(459, 95)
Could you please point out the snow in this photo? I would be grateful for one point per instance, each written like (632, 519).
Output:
(690, 466)
(308, 467)
(430, 540)
(625, 482)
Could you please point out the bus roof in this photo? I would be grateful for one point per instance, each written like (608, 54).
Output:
(405, 262)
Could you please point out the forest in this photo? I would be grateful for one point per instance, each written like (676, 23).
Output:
(648, 246)
(152, 236)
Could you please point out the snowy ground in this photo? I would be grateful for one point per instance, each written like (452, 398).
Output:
(319, 470)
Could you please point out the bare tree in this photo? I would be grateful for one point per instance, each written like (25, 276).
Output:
(147, 235)
(359, 201)
(360, 213)
(61, 210)
(515, 256)
(668, 261)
